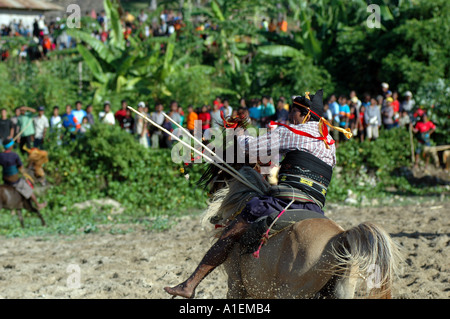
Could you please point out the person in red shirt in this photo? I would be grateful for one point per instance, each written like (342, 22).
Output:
(122, 113)
(205, 117)
(423, 129)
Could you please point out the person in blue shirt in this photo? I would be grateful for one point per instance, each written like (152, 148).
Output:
(344, 112)
(79, 113)
(70, 122)
(255, 113)
(334, 108)
(267, 111)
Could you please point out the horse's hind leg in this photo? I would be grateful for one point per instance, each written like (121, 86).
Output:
(19, 214)
(41, 218)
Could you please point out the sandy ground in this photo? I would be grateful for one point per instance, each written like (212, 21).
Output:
(140, 263)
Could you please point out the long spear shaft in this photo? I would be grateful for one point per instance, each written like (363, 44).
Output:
(234, 174)
(200, 142)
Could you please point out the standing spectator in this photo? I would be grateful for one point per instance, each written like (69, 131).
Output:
(395, 106)
(424, 128)
(159, 118)
(408, 104)
(216, 119)
(267, 110)
(344, 112)
(174, 115)
(227, 109)
(166, 140)
(6, 126)
(242, 103)
(283, 25)
(281, 115)
(334, 108)
(26, 127)
(55, 120)
(90, 115)
(205, 117)
(142, 17)
(353, 118)
(387, 113)
(218, 101)
(70, 122)
(128, 122)
(85, 126)
(355, 100)
(141, 127)
(372, 118)
(15, 122)
(384, 89)
(120, 114)
(79, 113)
(182, 117)
(362, 123)
(404, 119)
(366, 101)
(56, 124)
(191, 118)
(41, 126)
(255, 113)
(107, 116)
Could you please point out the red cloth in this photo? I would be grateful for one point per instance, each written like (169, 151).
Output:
(120, 115)
(204, 117)
(425, 127)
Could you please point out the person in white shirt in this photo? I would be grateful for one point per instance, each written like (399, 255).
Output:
(55, 120)
(41, 124)
(227, 109)
(107, 116)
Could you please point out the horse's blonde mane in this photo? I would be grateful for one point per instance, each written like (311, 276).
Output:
(231, 199)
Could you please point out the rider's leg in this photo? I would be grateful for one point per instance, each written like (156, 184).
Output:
(215, 256)
(39, 205)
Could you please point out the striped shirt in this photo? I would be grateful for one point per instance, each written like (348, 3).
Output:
(284, 140)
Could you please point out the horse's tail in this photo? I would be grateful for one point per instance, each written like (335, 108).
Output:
(368, 251)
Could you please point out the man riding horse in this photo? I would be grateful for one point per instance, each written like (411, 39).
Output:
(305, 173)
(12, 165)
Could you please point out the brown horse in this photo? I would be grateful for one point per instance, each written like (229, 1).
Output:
(311, 258)
(11, 199)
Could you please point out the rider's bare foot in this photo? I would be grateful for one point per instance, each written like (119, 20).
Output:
(40, 206)
(180, 290)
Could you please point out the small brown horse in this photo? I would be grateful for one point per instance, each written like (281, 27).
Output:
(312, 258)
(11, 199)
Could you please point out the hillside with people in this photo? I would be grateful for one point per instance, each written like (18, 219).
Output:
(206, 65)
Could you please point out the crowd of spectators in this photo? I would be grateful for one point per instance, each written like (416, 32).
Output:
(46, 36)
(364, 117)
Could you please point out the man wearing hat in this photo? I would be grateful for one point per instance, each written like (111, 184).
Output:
(310, 155)
(12, 165)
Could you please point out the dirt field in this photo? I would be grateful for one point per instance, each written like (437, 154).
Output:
(140, 263)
